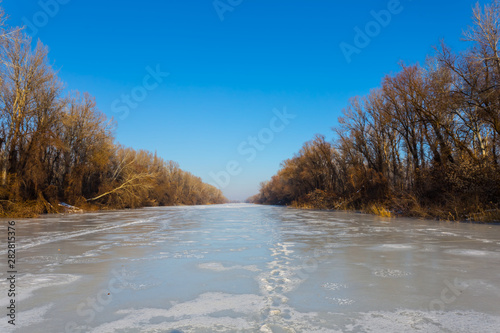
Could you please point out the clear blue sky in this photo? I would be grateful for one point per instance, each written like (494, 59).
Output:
(227, 76)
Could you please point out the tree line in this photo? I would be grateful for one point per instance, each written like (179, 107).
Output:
(57, 147)
(424, 143)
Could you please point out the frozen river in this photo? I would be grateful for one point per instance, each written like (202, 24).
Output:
(246, 268)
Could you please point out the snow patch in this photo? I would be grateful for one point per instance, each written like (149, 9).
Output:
(218, 267)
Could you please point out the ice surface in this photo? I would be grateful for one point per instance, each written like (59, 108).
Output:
(247, 268)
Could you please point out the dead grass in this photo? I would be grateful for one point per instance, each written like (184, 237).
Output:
(378, 209)
(302, 205)
(28, 209)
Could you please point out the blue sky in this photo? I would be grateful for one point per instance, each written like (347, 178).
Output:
(228, 78)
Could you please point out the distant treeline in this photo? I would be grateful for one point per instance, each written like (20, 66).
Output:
(425, 143)
(57, 147)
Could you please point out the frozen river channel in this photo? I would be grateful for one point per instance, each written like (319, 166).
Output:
(250, 268)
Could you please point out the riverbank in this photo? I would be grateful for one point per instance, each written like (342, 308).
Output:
(36, 208)
(409, 208)
(40, 207)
